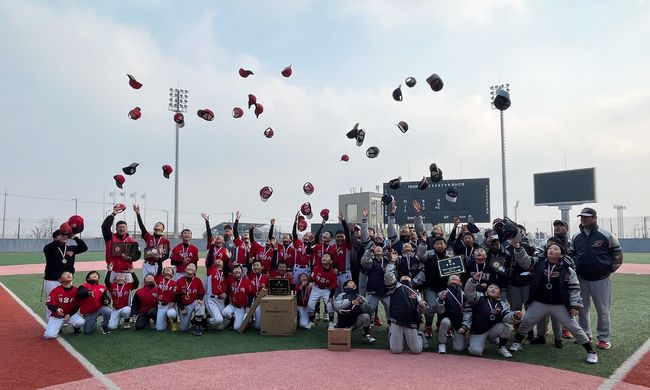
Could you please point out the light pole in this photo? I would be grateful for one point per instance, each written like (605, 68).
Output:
(75, 204)
(619, 219)
(177, 103)
(516, 207)
(500, 95)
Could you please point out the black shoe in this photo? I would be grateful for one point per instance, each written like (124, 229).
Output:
(558, 343)
(197, 330)
(77, 330)
(539, 340)
(530, 336)
(105, 330)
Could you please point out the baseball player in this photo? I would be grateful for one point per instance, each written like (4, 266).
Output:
(353, 311)
(157, 246)
(145, 302)
(373, 265)
(166, 286)
(488, 318)
(267, 254)
(404, 312)
(94, 301)
(324, 283)
(118, 263)
(281, 272)
(242, 253)
(303, 289)
(342, 254)
(239, 287)
(451, 307)
(120, 292)
(258, 281)
(189, 298)
(216, 285)
(62, 303)
(184, 253)
(60, 257)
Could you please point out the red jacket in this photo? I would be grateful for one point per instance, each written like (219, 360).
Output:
(257, 282)
(340, 253)
(320, 250)
(302, 295)
(189, 292)
(239, 291)
(161, 243)
(166, 289)
(182, 256)
(147, 297)
(120, 294)
(324, 278)
(242, 253)
(265, 255)
(215, 253)
(119, 264)
(91, 304)
(218, 282)
(290, 253)
(60, 298)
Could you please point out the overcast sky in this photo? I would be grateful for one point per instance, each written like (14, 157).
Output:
(578, 70)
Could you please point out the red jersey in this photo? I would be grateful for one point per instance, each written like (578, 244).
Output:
(324, 278)
(320, 250)
(265, 255)
(91, 304)
(239, 291)
(242, 253)
(306, 258)
(166, 289)
(119, 264)
(287, 275)
(217, 282)
(341, 252)
(190, 291)
(218, 253)
(182, 256)
(289, 253)
(148, 297)
(302, 295)
(160, 244)
(257, 282)
(62, 298)
(120, 294)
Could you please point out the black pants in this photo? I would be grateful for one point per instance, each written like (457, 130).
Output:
(143, 319)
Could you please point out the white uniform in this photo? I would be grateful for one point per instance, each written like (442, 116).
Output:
(194, 307)
(214, 305)
(48, 286)
(55, 324)
(116, 315)
(165, 311)
(237, 312)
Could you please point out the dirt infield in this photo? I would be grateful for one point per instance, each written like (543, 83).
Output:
(640, 374)
(27, 360)
(26, 269)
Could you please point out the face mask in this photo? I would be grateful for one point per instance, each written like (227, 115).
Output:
(151, 284)
(404, 238)
(92, 282)
(348, 290)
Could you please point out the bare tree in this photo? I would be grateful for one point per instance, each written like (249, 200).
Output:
(43, 228)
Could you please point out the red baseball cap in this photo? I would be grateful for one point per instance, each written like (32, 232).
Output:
(119, 180)
(167, 170)
(65, 229)
(245, 72)
(135, 84)
(287, 72)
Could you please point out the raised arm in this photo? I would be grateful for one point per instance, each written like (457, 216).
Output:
(143, 229)
(208, 229)
(346, 228)
(392, 232)
(365, 236)
(417, 220)
(81, 245)
(235, 225)
(470, 288)
(272, 228)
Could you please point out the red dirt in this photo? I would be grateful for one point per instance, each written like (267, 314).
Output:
(28, 361)
(640, 374)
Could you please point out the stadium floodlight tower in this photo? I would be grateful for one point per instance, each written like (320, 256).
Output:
(177, 103)
(500, 95)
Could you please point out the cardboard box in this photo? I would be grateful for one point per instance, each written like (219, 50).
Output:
(278, 315)
(339, 339)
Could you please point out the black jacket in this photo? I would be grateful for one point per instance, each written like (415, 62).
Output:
(55, 264)
(597, 254)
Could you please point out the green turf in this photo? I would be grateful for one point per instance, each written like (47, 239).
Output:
(637, 258)
(37, 258)
(125, 349)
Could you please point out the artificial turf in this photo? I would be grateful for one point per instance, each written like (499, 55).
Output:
(125, 349)
(37, 258)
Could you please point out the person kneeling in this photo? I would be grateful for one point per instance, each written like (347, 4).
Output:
(488, 318)
(189, 298)
(94, 301)
(62, 303)
(554, 290)
(451, 306)
(145, 303)
(353, 311)
(240, 288)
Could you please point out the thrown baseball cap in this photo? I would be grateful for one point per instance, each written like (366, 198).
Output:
(423, 184)
(308, 188)
(345, 158)
(135, 84)
(167, 170)
(259, 109)
(587, 212)
(403, 126)
(395, 183)
(65, 229)
(387, 199)
(287, 72)
(268, 133)
(436, 173)
(325, 214)
(435, 82)
(237, 112)
(252, 99)
(361, 135)
(410, 82)
(76, 222)
(245, 72)
(179, 118)
(119, 180)
(265, 193)
(135, 113)
(352, 134)
(206, 114)
(130, 169)
(372, 152)
(305, 209)
(560, 222)
(452, 194)
(302, 224)
(397, 93)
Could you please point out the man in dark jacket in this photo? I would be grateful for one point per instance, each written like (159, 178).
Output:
(597, 254)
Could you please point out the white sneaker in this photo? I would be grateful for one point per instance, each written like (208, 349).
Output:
(331, 325)
(368, 339)
(326, 318)
(310, 325)
(516, 347)
(442, 348)
(592, 358)
(425, 343)
(503, 351)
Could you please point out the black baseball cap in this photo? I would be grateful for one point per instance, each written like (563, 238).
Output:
(560, 222)
(587, 212)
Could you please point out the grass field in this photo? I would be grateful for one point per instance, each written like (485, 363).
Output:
(125, 349)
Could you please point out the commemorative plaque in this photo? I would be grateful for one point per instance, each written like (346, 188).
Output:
(279, 286)
(129, 249)
(451, 266)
